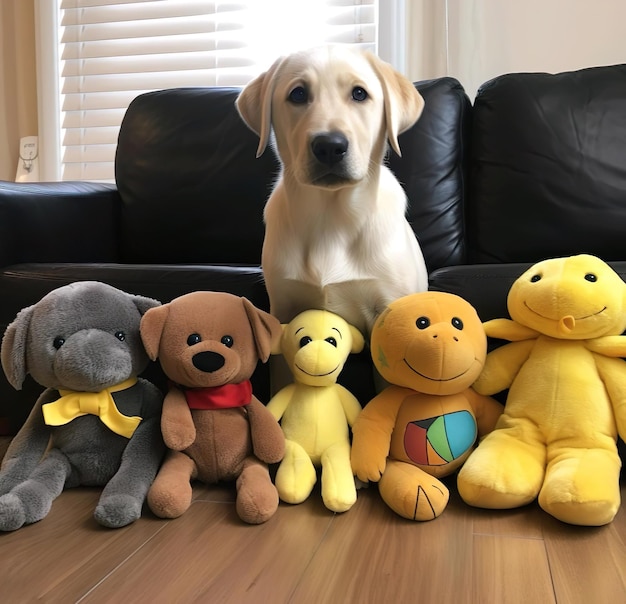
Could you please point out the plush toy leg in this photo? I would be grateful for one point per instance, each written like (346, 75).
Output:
(31, 500)
(338, 487)
(257, 497)
(503, 472)
(296, 474)
(582, 487)
(411, 492)
(170, 493)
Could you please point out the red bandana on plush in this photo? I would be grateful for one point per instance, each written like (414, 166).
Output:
(219, 397)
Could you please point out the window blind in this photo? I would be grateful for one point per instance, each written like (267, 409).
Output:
(113, 50)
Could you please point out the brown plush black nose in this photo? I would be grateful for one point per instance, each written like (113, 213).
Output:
(208, 361)
(330, 148)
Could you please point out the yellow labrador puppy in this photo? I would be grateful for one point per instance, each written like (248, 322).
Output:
(336, 234)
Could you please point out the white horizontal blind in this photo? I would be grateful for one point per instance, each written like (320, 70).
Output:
(113, 50)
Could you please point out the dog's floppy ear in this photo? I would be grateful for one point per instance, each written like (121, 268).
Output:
(255, 104)
(403, 103)
(266, 328)
(13, 353)
(151, 329)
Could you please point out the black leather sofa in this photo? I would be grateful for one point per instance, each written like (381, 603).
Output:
(534, 168)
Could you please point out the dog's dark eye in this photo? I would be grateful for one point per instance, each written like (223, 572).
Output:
(359, 94)
(194, 338)
(535, 278)
(591, 277)
(457, 323)
(304, 341)
(422, 322)
(120, 335)
(227, 341)
(58, 342)
(332, 341)
(298, 95)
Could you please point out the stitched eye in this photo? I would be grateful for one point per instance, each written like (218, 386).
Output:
(457, 323)
(298, 95)
(359, 94)
(535, 278)
(194, 338)
(304, 341)
(58, 342)
(120, 335)
(227, 341)
(332, 341)
(591, 277)
(422, 322)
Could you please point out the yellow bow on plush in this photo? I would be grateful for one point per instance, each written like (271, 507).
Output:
(74, 404)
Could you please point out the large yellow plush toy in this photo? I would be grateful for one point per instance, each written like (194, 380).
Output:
(430, 346)
(315, 412)
(556, 439)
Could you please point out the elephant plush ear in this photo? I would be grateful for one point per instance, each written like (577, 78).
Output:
(144, 304)
(13, 351)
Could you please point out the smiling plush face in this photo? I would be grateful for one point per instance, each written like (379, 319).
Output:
(431, 342)
(575, 298)
(316, 344)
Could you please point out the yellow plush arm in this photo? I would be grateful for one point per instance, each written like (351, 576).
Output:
(372, 434)
(280, 401)
(609, 346)
(613, 374)
(505, 329)
(350, 404)
(501, 367)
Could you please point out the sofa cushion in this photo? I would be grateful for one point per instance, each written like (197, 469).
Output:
(548, 176)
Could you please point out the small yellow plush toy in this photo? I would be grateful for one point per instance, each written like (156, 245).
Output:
(430, 346)
(556, 439)
(315, 412)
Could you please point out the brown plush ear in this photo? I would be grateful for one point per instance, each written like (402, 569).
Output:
(265, 327)
(151, 328)
(13, 352)
(255, 104)
(403, 103)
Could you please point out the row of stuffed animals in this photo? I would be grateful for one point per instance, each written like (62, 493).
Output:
(99, 424)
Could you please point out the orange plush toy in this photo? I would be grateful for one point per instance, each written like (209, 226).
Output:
(430, 346)
(209, 344)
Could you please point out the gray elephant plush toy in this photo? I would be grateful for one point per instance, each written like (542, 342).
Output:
(97, 423)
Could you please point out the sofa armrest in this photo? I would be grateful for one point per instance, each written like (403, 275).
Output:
(58, 222)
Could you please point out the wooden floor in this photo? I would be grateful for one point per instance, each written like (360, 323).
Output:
(306, 554)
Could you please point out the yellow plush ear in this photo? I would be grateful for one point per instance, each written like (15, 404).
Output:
(358, 341)
(255, 104)
(277, 347)
(403, 103)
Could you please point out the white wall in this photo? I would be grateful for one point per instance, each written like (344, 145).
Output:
(475, 40)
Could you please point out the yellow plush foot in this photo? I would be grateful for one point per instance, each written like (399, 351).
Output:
(338, 486)
(411, 492)
(502, 472)
(296, 474)
(582, 487)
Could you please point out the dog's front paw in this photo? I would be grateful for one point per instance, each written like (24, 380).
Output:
(117, 511)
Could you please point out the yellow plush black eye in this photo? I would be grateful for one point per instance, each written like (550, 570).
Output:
(457, 323)
(591, 277)
(535, 278)
(304, 341)
(332, 341)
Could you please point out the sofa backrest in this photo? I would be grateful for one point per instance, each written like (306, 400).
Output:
(548, 167)
(193, 191)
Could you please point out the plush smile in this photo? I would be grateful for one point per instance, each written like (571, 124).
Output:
(575, 318)
(316, 374)
(435, 379)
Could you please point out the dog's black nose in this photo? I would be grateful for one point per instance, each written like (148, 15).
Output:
(330, 148)
(208, 361)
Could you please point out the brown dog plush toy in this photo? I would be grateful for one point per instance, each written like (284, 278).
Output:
(209, 344)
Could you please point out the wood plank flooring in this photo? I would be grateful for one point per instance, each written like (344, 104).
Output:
(305, 554)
